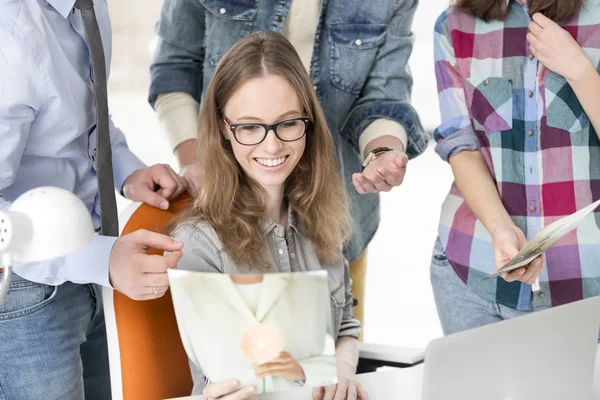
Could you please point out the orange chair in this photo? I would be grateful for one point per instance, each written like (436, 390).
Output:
(147, 359)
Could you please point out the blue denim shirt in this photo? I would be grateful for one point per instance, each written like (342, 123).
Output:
(357, 81)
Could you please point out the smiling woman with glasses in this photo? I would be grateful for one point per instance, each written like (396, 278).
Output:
(271, 201)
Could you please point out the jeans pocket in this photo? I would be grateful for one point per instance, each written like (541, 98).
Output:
(25, 297)
(438, 257)
(563, 110)
(491, 102)
(353, 51)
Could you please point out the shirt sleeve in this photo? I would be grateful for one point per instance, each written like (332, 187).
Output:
(21, 95)
(386, 93)
(349, 326)
(123, 160)
(199, 251)
(455, 134)
(178, 61)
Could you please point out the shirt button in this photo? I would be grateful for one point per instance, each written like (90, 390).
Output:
(358, 42)
(530, 94)
(317, 36)
(293, 255)
(530, 132)
(280, 251)
(223, 11)
(315, 88)
(541, 295)
(531, 57)
(486, 82)
(532, 208)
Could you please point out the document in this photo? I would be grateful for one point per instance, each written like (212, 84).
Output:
(272, 331)
(544, 239)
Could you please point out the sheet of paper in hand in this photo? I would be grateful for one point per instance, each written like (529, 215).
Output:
(544, 239)
(272, 331)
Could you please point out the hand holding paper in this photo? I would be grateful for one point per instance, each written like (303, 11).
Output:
(507, 239)
(541, 242)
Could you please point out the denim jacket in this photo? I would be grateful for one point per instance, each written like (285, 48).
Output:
(359, 69)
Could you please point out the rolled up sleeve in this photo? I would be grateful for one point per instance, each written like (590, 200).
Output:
(386, 93)
(455, 133)
(179, 57)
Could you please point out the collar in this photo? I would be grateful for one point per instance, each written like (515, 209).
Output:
(268, 224)
(63, 7)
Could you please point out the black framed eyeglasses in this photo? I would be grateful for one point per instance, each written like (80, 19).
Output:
(250, 134)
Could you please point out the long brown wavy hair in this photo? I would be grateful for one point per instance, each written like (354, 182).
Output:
(489, 10)
(231, 201)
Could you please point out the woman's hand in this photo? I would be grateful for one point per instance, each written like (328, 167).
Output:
(556, 49)
(346, 389)
(508, 240)
(284, 365)
(229, 390)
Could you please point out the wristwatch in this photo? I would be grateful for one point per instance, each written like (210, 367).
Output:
(374, 154)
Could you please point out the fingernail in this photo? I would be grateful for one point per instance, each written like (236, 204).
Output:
(251, 390)
(164, 205)
(235, 384)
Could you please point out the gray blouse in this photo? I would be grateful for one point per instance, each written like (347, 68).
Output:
(287, 250)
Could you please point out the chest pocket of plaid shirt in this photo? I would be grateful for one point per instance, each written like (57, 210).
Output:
(563, 110)
(491, 102)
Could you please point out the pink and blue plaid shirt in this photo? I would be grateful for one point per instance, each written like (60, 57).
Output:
(537, 141)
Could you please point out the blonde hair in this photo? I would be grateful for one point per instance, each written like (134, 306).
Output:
(231, 201)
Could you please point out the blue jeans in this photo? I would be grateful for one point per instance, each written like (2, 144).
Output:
(458, 307)
(53, 343)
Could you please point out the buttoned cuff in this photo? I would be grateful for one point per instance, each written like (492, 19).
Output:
(125, 163)
(381, 127)
(91, 262)
(177, 113)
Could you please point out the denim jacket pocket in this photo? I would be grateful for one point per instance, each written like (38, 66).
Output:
(353, 51)
(229, 21)
(25, 297)
(491, 103)
(236, 10)
(563, 110)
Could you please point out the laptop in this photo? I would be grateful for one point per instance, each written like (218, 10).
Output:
(546, 355)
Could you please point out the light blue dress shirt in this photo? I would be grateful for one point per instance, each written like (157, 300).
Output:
(47, 122)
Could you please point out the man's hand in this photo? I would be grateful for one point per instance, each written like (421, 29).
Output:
(284, 365)
(556, 49)
(154, 185)
(382, 174)
(135, 273)
(508, 240)
(191, 177)
(346, 389)
(229, 390)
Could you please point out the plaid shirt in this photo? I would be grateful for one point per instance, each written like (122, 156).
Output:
(536, 140)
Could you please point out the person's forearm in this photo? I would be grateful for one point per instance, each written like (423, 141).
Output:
(586, 86)
(187, 153)
(88, 264)
(346, 355)
(476, 185)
